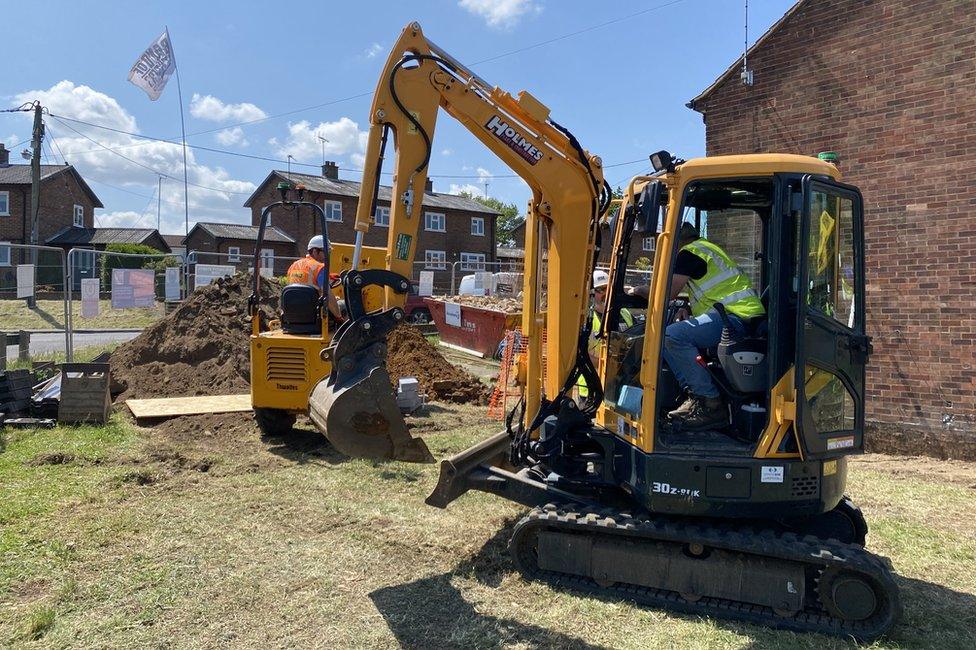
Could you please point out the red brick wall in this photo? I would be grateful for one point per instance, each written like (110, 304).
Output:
(59, 194)
(891, 87)
(299, 224)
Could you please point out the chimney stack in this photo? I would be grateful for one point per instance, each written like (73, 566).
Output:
(4, 156)
(429, 187)
(330, 170)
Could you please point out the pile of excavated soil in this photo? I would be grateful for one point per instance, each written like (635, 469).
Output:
(202, 348)
(410, 354)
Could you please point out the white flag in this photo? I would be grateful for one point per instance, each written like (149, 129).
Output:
(154, 67)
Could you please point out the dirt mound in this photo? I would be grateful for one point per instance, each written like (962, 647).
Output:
(200, 349)
(410, 354)
(203, 349)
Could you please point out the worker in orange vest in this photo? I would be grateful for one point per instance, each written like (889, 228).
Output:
(310, 270)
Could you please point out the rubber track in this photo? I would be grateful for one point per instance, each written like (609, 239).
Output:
(811, 551)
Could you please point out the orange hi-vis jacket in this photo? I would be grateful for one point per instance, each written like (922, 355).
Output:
(305, 271)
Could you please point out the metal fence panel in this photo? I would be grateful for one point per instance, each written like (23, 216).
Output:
(46, 308)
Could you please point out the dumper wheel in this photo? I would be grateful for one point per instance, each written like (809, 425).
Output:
(274, 422)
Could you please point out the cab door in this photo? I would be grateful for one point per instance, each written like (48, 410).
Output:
(831, 348)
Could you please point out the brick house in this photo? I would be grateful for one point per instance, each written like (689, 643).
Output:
(233, 244)
(98, 239)
(455, 228)
(891, 87)
(639, 246)
(65, 200)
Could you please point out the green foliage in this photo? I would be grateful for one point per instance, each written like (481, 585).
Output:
(508, 218)
(642, 263)
(109, 262)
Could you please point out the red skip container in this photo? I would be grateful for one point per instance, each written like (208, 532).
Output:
(474, 329)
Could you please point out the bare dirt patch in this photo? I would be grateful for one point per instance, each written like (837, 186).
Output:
(952, 472)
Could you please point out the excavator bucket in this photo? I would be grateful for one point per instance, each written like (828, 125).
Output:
(356, 409)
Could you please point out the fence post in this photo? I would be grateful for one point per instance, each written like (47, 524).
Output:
(23, 347)
(453, 285)
(3, 351)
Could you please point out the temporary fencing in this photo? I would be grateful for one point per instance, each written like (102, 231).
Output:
(203, 267)
(32, 296)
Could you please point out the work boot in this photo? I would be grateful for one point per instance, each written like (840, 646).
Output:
(700, 413)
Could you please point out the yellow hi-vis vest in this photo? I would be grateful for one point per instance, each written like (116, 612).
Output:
(723, 282)
(626, 318)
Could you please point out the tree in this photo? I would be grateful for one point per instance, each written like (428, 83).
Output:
(110, 262)
(508, 218)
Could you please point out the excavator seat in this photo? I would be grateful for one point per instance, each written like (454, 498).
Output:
(300, 310)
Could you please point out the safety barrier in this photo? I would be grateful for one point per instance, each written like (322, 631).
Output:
(32, 296)
(210, 265)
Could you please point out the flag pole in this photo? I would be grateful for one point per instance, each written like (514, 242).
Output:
(186, 193)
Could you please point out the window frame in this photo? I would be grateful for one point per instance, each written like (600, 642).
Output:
(427, 220)
(380, 209)
(328, 206)
(469, 265)
(5, 246)
(432, 265)
(79, 210)
(647, 244)
(233, 253)
(6, 211)
(481, 221)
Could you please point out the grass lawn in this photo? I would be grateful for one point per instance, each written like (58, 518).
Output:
(49, 314)
(127, 537)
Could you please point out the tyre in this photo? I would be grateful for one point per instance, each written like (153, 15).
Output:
(420, 316)
(274, 422)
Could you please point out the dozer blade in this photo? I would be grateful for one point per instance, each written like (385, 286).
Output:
(356, 410)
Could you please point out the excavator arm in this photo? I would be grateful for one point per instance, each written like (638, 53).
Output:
(569, 195)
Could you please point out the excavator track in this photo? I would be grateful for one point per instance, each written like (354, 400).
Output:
(764, 577)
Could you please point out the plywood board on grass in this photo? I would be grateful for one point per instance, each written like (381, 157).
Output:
(171, 407)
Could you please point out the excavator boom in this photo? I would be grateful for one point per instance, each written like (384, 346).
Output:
(355, 405)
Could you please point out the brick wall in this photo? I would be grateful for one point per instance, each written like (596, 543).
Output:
(59, 194)
(891, 87)
(302, 224)
(203, 243)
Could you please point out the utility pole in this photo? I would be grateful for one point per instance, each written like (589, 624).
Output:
(159, 199)
(323, 140)
(36, 187)
(486, 190)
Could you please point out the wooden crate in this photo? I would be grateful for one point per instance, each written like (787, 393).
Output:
(85, 393)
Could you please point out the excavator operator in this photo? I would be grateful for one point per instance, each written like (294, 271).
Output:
(600, 281)
(310, 270)
(710, 276)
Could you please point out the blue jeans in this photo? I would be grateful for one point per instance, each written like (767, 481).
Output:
(683, 341)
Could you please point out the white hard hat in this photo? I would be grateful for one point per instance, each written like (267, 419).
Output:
(600, 278)
(316, 242)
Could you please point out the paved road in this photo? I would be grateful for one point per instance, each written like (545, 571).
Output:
(54, 341)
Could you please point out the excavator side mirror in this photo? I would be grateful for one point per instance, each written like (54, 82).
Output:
(649, 208)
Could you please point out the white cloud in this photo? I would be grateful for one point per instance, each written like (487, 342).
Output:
(343, 138)
(446, 152)
(373, 50)
(208, 107)
(126, 219)
(96, 164)
(229, 137)
(484, 176)
(500, 13)
(11, 140)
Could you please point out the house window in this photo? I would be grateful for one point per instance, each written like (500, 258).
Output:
(435, 221)
(478, 226)
(648, 244)
(4, 204)
(233, 253)
(472, 261)
(267, 258)
(4, 254)
(435, 260)
(333, 211)
(80, 216)
(382, 216)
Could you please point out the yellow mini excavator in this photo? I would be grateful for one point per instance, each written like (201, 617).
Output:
(746, 520)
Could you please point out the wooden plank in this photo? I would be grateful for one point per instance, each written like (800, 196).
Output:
(171, 407)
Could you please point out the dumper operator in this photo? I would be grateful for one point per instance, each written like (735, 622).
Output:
(310, 270)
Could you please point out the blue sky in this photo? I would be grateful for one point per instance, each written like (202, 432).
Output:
(621, 88)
